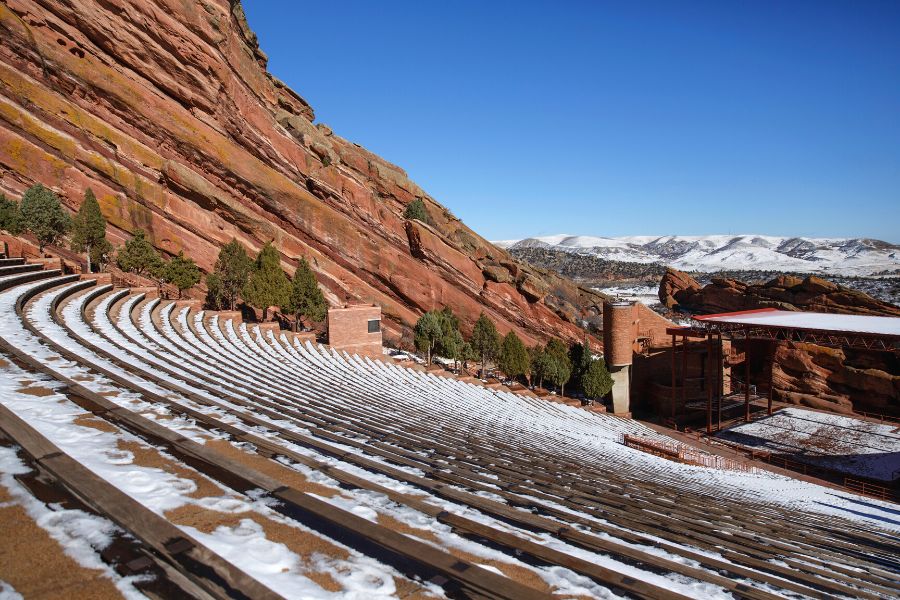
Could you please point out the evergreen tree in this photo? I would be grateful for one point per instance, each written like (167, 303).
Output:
(558, 364)
(214, 295)
(467, 353)
(514, 359)
(9, 215)
(485, 340)
(267, 285)
(454, 347)
(539, 364)
(306, 299)
(229, 275)
(597, 381)
(100, 254)
(181, 272)
(428, 333)
(139, 256)
(416, 210)
(447, 345)
(42, 214)
(89, 229)
(581, 358)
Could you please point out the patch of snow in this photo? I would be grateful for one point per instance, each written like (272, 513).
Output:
(838, 442)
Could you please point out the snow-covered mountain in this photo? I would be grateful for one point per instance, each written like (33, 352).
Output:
(709, 253)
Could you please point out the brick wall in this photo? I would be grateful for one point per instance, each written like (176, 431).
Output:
(618, 333)
(348, 329)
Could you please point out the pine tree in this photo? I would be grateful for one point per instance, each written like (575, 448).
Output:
(416, 210)
(559, 366)
(89, 230)
(428, 333)
(139, 256)
(454, 347)
(229, 275)
(214, 294)
(42, 214)
(467, 353)
(485, 340)
(306, 299)
(513, 356)
(539, 364)
(267, 285)
(581, 358)
(9, 215)
(181, 272)
(597, 381)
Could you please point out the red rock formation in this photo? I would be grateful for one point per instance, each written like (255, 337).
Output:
(165, 109)
(785, 292)
(825, 378)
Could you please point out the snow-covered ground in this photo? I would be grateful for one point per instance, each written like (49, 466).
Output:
(646, 294)
(710, 253)
(842, 443)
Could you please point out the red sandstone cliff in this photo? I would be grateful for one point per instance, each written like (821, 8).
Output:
(166, 110)
(805, 374)
(785, 292)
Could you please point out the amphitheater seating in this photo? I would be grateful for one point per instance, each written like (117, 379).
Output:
(426, 484)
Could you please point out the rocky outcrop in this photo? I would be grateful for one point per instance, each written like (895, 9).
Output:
(826, 378)
(165, 109)
(841, 380)
(786, 292)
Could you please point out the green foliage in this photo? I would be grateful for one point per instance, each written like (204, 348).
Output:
(42, 214)
(514, 360)
(540, 364)
(597, 382)
(215, 298)
(428, 333)
(88, 227)
(306, 299)
(267, 285)
(229, 276)
(9, 215)
(100, 254)
(485, 340)
(437, 332)
(139, 256)
(453, 345)
(181, 272)
(416, 210)
(581, 359)
(559, 366)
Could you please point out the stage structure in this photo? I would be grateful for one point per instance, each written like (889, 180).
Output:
(861, 332)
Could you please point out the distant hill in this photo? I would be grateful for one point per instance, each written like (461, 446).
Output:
(712, 253)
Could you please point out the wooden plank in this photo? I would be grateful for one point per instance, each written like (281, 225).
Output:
(217, 577)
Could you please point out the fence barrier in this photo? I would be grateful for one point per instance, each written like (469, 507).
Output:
(685, 454)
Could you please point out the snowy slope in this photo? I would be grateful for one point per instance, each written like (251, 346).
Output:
(837, 256)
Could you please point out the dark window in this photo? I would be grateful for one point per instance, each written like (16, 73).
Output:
(374, 325)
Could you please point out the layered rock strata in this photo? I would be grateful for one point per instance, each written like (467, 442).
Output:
(166, 110)
(826, 378)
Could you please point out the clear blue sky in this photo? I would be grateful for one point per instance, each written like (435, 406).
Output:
(614, 118)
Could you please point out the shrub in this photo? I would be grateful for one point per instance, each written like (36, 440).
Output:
(416, 210)
(9, 215)
(42, 214)
(181, 272)
(138, 255)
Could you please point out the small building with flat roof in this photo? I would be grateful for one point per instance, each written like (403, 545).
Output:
(355, 329)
